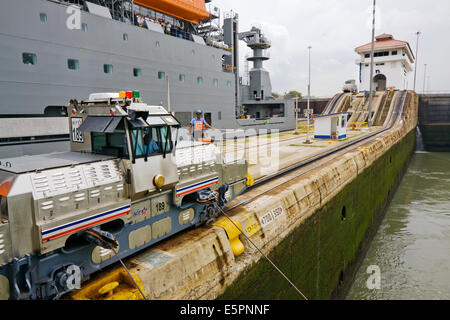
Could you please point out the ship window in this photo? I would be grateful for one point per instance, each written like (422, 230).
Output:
(137, 72)
(215, 82)
(84, 27)
(229, 84)
(182, 77)
(125, 36)
(29, 58)
(161, 75)
(43, 17)
(73, 64)
(199, 80)
(157, 45)
(108, 68)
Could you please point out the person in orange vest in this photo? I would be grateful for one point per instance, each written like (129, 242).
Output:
(199, 125)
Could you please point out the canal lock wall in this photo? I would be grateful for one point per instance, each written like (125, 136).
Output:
(324, 221)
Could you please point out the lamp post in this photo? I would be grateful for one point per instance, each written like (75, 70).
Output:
(424, 78)
(418, 33)
(296, 116)
(308, 111)
(369, 118)
(168, 94)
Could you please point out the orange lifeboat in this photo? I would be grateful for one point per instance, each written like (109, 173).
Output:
(189, 10)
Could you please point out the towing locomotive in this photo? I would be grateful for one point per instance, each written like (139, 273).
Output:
(124, 185)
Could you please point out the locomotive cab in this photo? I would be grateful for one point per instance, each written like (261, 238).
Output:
(142, 136)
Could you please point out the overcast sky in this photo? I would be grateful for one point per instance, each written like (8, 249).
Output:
(334, 28)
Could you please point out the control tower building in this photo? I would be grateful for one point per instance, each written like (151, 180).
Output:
(393, 64)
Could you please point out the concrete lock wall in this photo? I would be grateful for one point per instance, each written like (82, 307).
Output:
(434, 121)
(324, 222)
(332, 212)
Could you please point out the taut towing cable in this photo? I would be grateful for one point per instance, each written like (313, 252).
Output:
(107, 241)
(262, 253)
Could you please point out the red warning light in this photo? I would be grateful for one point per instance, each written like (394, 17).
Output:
(129, 94)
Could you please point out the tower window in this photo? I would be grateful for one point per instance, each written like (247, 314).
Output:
(137, 72)
(125, 36)
(394, 53)
(84, 27)
(182, 77)
(199, 80)
(108, 68)
(367, 55)
(29, 58)
(43, 17)
(161, 75)
(157, 45)
(381, 54)
(73, 64)
(215, 82)
(229, 84)
(193, 52)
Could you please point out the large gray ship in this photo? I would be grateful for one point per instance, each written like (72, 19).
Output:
(179, 54)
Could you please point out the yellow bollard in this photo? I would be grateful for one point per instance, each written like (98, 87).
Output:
(233, 234)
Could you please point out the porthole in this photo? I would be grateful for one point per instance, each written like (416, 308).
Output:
(137, 72)
(73, 64)
(108, 68)
(43, 17)
(29, 58)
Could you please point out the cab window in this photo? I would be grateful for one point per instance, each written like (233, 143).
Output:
(151, 141)
(112, 144)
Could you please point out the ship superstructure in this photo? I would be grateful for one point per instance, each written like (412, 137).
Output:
(177, 53)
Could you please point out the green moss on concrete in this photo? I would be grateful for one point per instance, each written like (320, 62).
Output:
(321, 254)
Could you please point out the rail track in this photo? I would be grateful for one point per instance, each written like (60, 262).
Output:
(398, 111)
